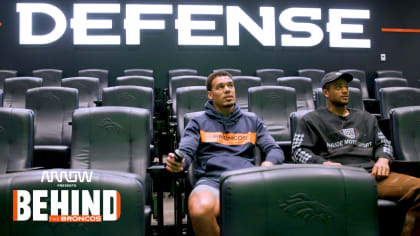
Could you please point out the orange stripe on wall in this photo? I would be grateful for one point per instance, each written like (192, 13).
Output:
(229, 138)
(399, 30)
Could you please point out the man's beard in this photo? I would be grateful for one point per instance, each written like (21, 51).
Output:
(229, 105)
(339, 104)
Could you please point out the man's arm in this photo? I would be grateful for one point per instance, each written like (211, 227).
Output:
(188, 146)
(383, 153)
(304, 145)
(273, 153)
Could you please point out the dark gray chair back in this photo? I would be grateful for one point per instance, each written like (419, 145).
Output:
(242, 84)
(269, 76)
(139, 72)
(88, 88)
(303, 87)
(233, 72)
(50, 77)
(129, 208)
(386, 82)
(53, 108)
(111, 138)
(405, 128)
(389, 73)
(181, 72)
(15, 90)
(16, 139)
(303, 199)
(137, 80)
(316, 76)
(4, 74)
(273, 104)
(101, 74)
(355, 99)
(394, 97)
(130, 96)
(183, 81)
(189, 99)
(355, 83)
(361, 75)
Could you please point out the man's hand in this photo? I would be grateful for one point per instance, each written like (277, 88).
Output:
(172, 165)
(267, 163)
(381, 168)
(331, 163)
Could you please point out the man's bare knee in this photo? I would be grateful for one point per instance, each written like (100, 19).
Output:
(203, 204)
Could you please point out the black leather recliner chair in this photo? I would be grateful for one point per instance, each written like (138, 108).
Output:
(189, 99)
(394, 97)
(130, 96)
(137, 80)
(101, 74)
(183, 81)
(242, 84)
(303, 87)
(389, 73)
(405, 129)
(273, 104)
(140, 72)
(88, 88)
(4, 74)
(181, 72)
(269, 76)
(386, 82)
(16, 139)
(315, 74)
(298, 200)
(50, 77)
(113, 138)
(53, 108)
(15, 90)
(129, 186)
(232, 71)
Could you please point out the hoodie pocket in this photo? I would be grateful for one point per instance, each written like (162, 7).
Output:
(217, 165)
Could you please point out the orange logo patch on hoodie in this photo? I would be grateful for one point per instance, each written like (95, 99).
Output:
(229, 138)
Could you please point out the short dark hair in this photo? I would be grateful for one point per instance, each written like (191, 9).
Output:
(215, 74)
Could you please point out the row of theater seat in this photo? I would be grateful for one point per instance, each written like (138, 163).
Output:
(292, 200)
(271, 103)
(142, 77)
(115, 138)
(52, 77)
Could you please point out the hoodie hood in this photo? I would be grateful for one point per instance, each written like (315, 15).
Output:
(228, 120)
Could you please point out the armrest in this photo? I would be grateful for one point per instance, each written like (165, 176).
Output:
(24, 170)
(159, 171)
(98, 103)
(371, 105)
(385, 126)
(406, 167)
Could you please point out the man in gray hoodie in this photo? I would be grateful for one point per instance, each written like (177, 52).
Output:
(221, 139)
